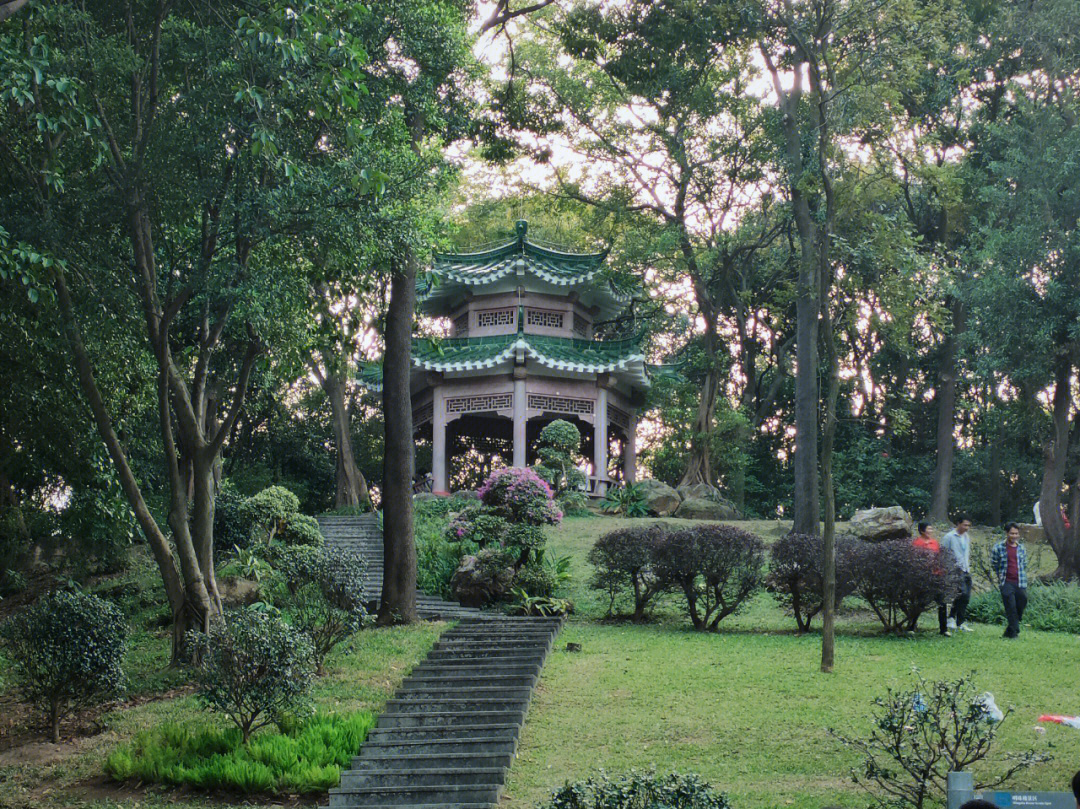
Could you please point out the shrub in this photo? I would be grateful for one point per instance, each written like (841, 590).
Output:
(625, 561)
(573, 503)
(921, 735)
(520, 496)
(255, 669)
(306, 758)
(638, 791)
(797, 574)
(66, 652)
(900, 581)
(628, 500)
(267, 512)
(437, 556)
(323, 596)
(477, 525)
(558, 447)
(717, 568)
(535, 580)
(232, 530)
(300, 529)
(1051, 607)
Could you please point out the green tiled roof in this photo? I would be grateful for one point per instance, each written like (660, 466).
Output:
(556, 353)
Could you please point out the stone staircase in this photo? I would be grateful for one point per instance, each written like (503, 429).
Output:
(447, 738)
(363, 534)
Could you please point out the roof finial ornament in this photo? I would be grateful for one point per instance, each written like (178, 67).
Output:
(521, 226)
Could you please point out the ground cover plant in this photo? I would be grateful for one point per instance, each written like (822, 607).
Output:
(1053, 607)
(638, 791)
(306, 758)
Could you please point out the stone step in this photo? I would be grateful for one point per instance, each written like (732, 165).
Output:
(442, 776)
(435, 719)
(483, 654)
(421, 692)
(437, 761)
(408, 748)
(483, 669)
(441, 805)
(508, 646)
(464, 731)
(483, 794)
(439, 704)
(468, 683)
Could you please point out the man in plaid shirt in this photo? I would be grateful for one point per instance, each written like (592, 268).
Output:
(1009, 562)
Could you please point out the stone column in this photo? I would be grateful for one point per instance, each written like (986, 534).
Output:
(600, 438)
(440, 478)
(629, 461)
(520, 420)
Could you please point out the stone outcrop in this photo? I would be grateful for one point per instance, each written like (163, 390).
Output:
(477, 582)
(701, 508)
(660, 499)
(879, 524)
(700, 491)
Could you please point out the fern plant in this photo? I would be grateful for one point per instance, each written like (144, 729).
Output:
(626, 500)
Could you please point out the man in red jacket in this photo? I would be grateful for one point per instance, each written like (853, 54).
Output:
(925, 540)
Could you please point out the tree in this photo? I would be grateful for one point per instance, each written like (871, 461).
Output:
(147, 179)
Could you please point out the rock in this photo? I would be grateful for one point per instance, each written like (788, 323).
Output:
(476, 584)
(660, 499)
(425, 497)
(1032, 533)
(701, 491)
(879, 524)
(466, 494)
(698, 508)
(239, 592)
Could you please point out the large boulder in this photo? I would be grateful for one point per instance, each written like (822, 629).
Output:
(701, 508)
(700, 491)
(478, 582)
(660, 499)
(879, 524)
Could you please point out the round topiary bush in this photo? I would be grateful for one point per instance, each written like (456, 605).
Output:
(255, 668)
(900, 581)
(558, 448)
(66, 652)
(300, 529)
(797, 573)
(625, 561)
(717, 568)
(520, 496)
(267, 512)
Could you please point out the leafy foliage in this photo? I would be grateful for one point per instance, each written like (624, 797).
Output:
(717, 568)
(520, 496)
(558, 448)
(625, 561)
(900, 581)
(797, 573)
(919, 736)
(638, 791)
(306, 758)
(66, 652)
(254, 668)
(627, 500)
(1053, 607)
(300, 529)
(269, 511)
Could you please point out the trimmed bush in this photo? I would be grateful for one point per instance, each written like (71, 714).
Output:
(478, 526)
(624, 562)
(66, 652)
(520, 496)
(900, 582)
(255, 668)
(267, 512)
(797, 574)
(232, 531)
(638, 791)
(323, 596)
(307, 758)
(717, 568)
(300, 529)
(558, 447)
(1051, 607)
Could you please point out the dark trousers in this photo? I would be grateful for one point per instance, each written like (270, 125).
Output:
(1015, 599)
(960, 604)
(942, 617)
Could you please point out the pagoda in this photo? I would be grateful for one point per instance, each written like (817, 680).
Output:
(520, 354)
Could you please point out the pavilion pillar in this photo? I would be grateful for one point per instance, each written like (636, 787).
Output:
(600, 446)
(629, 461)
(439, 477)
(520, 420)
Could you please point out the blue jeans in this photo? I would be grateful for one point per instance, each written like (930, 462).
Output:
(1014, 599)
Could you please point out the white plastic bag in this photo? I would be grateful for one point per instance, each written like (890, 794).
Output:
(991, 712)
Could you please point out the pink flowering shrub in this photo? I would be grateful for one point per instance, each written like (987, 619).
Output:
(520, 496)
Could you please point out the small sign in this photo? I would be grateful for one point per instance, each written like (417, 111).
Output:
(1034, 800)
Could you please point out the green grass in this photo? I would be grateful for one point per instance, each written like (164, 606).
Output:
(306, 759)
(748, 708)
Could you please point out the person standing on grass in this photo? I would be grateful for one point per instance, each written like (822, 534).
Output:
(958, 541)
(925, 540)
(1009, 562)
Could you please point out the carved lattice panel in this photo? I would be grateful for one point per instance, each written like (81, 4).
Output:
(581, 325)
(461, 325)
(619, 417)
(423, 414)
(544, 318)
(560, 404)
(484, 403)
(487, 318)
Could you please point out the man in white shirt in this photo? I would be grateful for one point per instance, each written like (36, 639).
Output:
(958, 541)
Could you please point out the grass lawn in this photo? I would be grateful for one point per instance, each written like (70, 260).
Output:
(748, 709)
(39, 774)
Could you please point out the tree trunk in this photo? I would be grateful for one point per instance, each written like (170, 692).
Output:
(399, 550)
(351, 487)
(699, 465)
(806, 505)
(832, 394)
(994, 473)
(1065, 543)
(202, 528)
(946, 426)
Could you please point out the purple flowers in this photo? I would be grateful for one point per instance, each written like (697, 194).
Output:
(520, 496)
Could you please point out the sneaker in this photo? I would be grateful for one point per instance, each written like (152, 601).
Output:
(964, 627)
(951, 624)
(946, 634)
